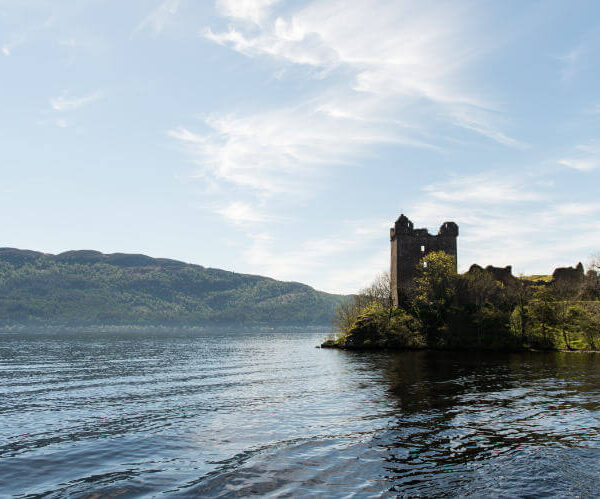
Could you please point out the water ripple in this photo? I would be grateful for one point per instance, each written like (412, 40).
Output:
(221, 414)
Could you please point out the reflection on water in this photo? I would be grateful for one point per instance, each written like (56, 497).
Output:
(223, 413)
(473, 424)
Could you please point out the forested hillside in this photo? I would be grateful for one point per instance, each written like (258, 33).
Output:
(88, 287)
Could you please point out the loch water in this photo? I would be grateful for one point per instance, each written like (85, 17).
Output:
(218, 413)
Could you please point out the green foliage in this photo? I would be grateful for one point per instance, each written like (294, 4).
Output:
(587, 316)
(347, 311)
(434, 285)
(536, 278)
(134, 289)
(474, 311)
(381, 327)
(433, 292)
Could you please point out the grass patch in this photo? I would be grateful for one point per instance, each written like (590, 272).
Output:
(536, 278)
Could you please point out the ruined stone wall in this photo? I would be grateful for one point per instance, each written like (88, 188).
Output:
(569, 274)
(409, 245)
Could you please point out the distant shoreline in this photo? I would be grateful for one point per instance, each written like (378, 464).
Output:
(162, 327)
(90, 288)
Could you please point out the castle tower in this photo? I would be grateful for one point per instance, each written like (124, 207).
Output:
(409, 245)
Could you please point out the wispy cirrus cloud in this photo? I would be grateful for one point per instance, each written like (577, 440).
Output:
(394, 56)
(580, 57)
(242, 213)
(278, 151)
(249, 10)
(595, 109)
(158, 19)
(512, 219)
(71, 103)
(405, 48)
(585, 158)
(362, 256)
(489, 188)
(388, 73)
(13, 42)
(571, 61)
(480, 122)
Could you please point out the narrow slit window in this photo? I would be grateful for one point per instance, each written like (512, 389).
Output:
(422, 249)
(425, 264)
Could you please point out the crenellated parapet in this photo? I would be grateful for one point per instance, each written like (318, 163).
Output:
(448, 229)
(502, 274)
(410, 245)
(569, 274)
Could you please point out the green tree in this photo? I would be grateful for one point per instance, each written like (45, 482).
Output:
(564, 294)
(542, 309)
(520, 294)
(378, 292)
(433, 293)
(591, 283)
(588, 322)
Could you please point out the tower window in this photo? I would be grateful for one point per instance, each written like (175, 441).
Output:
(425, 264)
(422, 249)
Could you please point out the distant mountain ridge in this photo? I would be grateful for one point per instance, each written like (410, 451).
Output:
(90, 287)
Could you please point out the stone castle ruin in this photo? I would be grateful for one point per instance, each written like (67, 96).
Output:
(569, 274)
(410, 245)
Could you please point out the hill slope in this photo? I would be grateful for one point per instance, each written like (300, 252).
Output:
(89, 287)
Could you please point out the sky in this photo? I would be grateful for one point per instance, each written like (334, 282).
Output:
(284, 137)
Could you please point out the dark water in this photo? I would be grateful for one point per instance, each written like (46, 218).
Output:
(224, 414)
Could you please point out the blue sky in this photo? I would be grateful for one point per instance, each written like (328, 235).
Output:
(283, 138)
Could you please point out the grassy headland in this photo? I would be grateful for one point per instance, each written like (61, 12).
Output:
(445, 310)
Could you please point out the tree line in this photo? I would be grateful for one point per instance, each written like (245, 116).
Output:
(42, 291)
(446, 310)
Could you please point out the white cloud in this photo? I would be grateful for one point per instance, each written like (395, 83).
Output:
(586, 158)
(403, 47)
(398, 52)
(479, 122)
(249, 10)
(571, 61)
(388, 73)
(66, 103)
(485, 188)
(359, 249)
(160, 16)
(397, 55)
(507, 219)
(15, 40)
(574, 209)
(241, 213)
(403, 64)
(584, 165)
(594, 109)
(582, 57)
(279, 151)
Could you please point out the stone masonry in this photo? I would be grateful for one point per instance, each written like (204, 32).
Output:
(409, 245)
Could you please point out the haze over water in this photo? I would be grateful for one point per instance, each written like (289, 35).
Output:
(222, 413)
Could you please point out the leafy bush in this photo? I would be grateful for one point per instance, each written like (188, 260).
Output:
(473, 311)
(381, 327)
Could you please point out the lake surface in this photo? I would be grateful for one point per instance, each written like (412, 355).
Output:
(234, 413)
